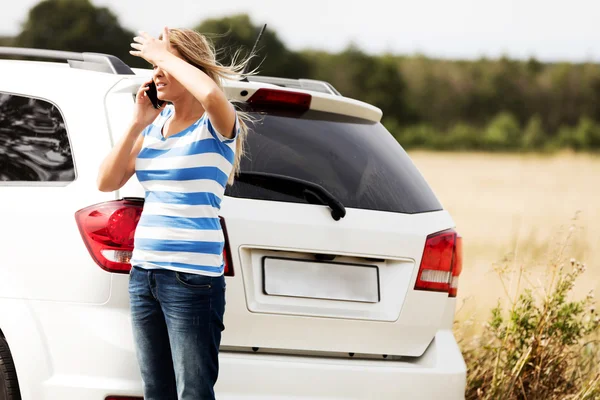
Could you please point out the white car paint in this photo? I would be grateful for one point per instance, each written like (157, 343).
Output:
(67, 321)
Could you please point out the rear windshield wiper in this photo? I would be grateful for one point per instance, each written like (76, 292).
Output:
(312, 192)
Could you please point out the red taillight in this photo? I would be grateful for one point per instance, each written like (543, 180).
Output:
(441, 263)
(274, 98)
(456, 267)
(108, 230)
(226, 251)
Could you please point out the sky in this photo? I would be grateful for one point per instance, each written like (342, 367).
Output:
(550, 30)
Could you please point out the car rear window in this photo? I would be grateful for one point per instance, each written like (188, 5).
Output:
(356, 160)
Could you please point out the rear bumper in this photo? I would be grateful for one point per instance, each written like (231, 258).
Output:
(74, 352)
(440, 373)
(266, 377)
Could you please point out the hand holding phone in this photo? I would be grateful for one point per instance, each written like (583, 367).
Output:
(152, 95)
(145, 111)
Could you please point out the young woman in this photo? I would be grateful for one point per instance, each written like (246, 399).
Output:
(183, 155)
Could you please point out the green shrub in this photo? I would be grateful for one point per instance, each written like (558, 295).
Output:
(462, 137)
(587, 134)
(418, 136)
(534, 136)
(503, 132)
(539, 347)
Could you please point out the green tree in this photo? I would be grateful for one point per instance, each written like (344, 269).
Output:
(77, 25)
(587, 134)
(503, 132)
(375, 80)
(534, 136)
(584, 136)
(237, 32)
(566, 138)
(417, 136)
(462, 137)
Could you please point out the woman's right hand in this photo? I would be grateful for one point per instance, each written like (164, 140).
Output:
(144, 113)
(119, 165)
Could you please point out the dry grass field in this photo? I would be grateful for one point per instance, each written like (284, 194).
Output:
(516, 207)
(515, 213)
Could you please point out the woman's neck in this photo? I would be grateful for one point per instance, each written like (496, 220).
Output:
(187, 108)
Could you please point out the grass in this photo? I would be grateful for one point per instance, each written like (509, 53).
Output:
(538, 342)
(526, 323)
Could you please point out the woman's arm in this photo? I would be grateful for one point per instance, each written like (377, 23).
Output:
(119, 164)
(204, 89)
(158, 52)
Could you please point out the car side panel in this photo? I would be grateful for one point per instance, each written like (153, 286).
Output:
(44, 257)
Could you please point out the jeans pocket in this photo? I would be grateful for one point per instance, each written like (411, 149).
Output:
(194, 281)
(131, 278)
(131, 271)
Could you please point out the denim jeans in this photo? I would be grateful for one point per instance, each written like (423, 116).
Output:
(177, 322)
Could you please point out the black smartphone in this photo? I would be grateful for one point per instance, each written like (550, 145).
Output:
(152, 95)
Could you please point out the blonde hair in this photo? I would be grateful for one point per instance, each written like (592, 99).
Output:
(197, 50)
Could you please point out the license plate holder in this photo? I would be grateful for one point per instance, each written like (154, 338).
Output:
(321, 280)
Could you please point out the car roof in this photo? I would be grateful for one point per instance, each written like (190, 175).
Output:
(55, 75)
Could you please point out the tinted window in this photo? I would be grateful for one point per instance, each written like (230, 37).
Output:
(357, 161)
(34, 146)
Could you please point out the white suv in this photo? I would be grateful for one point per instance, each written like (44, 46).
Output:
(341, 263)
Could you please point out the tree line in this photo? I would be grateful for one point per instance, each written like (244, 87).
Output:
(486, 104)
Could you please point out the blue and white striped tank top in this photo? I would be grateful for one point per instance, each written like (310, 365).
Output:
(184, 177)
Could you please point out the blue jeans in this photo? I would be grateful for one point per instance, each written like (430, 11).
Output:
(177, 322)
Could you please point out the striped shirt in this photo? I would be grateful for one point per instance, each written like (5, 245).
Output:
(184, 177)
